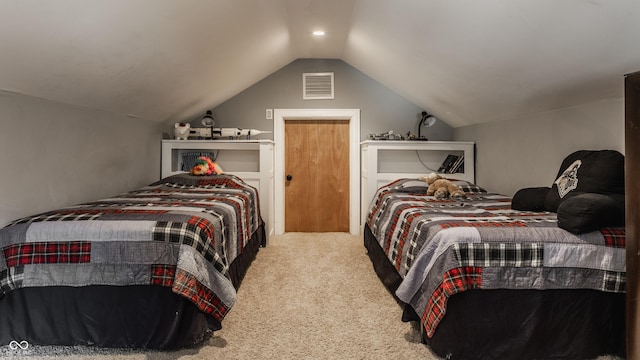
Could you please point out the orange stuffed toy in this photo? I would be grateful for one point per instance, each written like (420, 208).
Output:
(205, 166)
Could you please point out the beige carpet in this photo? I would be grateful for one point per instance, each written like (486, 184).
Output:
(306, 296)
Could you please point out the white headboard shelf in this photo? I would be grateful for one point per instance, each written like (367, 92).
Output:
(384, 161)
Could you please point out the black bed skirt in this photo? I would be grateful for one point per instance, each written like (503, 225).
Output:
(141, 316)
(518, 324)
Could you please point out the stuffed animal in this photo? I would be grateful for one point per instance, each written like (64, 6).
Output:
(181, 131)
(441, 188)
(204, 166)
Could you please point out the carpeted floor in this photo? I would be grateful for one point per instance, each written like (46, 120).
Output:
(306, 296)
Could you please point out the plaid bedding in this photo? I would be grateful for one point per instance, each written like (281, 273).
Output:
(443, 247)
(182, 232)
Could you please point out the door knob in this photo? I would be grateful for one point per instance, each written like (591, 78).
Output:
(289, 177)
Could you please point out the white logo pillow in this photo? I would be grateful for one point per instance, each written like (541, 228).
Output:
(569, 179)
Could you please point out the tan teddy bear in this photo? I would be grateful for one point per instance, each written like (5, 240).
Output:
(441, 188)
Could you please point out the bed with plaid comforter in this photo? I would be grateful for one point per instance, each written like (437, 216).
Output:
(181, 232)
(444, 247)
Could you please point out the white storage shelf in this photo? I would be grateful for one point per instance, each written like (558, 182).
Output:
(384, 161)
(251, 160)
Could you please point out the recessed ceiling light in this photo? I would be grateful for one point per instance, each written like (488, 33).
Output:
(318, 33)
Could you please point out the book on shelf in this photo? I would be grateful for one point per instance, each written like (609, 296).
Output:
(447, 163)
(458, 166)
(452, 164)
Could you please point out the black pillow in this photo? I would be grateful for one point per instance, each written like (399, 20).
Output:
(530, 199)
(588, 212)
(587, 171)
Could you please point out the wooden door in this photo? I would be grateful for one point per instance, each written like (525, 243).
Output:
(317, 171)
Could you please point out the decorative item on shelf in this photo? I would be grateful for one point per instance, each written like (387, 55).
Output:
(208, 121)
(236, 133)
(181, 130)
(426, 120)
(210, 132)
(389, 135)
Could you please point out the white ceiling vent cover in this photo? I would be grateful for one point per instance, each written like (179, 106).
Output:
(317, 86)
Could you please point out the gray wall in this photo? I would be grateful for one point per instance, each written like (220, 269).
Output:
(381, 108)
(54, 155)
(528, 151)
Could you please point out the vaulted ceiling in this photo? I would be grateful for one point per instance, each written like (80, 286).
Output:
(465, 61)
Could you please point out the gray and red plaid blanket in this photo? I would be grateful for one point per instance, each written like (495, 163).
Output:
(443, 247)
(181, 232)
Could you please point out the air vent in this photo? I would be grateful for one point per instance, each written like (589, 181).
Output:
(317, 86)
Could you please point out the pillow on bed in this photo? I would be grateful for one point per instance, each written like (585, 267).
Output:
(589, 212)
(468, 187)
(530, 199)
(409, 186)
(186, 179)
(587, 171)
(419, 185)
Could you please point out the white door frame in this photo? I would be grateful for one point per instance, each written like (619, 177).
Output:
(353, 115)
